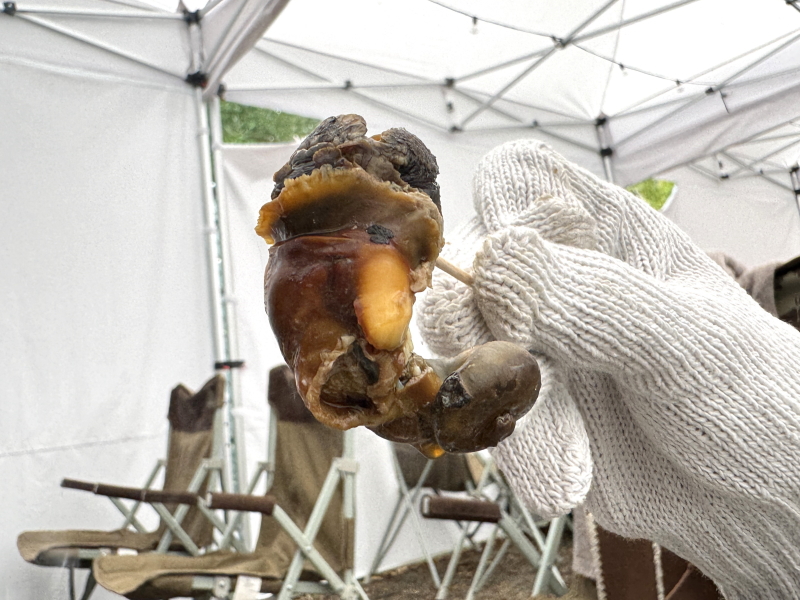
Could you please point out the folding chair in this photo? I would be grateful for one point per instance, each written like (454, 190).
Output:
(188, 462)
(306, 540)
(413, 472)
(511, 520)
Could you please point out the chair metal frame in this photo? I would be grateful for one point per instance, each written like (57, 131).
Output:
(342, 471)
(404, 506)
(515, 523)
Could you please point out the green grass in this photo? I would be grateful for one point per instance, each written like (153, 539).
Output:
(654, 191)
(251, 125)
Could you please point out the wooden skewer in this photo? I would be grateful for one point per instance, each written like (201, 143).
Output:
(455, 271)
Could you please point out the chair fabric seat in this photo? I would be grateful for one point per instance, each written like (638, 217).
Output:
(53, 548)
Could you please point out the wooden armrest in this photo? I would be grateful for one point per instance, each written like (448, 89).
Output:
(74, 484)
(243, 502)
(460, 509)
(129, 493)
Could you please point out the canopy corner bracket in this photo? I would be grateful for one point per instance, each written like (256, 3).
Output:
(605, 149)
(192, 17)
(10, 8)
(197, 79)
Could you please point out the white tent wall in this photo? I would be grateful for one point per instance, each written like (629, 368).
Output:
(751, 219)
(105, 296)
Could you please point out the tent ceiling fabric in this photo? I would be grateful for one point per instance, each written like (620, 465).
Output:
(229, 30)
(103, 40)
(138, 41)
(660, 70)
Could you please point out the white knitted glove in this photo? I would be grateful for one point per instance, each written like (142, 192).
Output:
(547, 460)
(550, 442)
(688, 389)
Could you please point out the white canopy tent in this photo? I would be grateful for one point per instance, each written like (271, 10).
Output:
(129, 259)
(627, 88)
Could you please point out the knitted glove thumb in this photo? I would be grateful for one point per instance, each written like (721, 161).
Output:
(547, 460)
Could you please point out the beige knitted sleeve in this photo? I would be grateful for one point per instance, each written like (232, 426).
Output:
(686, 389)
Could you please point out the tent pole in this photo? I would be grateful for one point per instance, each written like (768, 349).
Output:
(222, 427)
(95, 43)
(565, 139)
(757, 172)
(603, 142)
(228, 297)
(751, 164)
(702, 171)
(625, 23)
(717, 88)
(754, 139)
(117, 14)
(568, 39)
(794, 175)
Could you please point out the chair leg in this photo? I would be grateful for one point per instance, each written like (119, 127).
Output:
(543, 575)
(343, 469)
(443, 590)
(71, 582)
(383, 547)
(494, 564)
(91, 582)
(304, 539)
(479, 571)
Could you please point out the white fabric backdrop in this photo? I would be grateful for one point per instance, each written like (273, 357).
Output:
(104, 305)
(750, 219)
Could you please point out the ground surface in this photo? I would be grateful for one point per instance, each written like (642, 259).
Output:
(512, 580)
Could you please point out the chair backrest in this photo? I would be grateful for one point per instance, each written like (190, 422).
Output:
(304, 453)
(191, 440)
(284, 398)
(449, 472)
(787, 292)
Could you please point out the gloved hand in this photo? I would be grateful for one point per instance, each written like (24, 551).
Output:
(688, 392)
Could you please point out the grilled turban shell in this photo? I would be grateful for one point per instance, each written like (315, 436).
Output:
(355, 227)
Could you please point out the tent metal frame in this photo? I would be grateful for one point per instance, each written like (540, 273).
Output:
(558, 44)
(32, 14)
(24, 15)
(606, 147)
